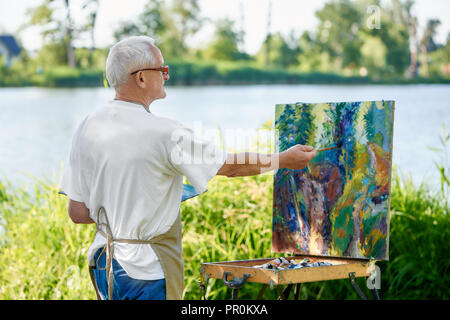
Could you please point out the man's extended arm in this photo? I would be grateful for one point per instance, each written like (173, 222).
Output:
(250, 164)
(236, 165)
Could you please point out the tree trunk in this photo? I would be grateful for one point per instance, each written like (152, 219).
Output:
(69, 36)
(412, 26)
(424, 50)
(91, 51)
(269, 21)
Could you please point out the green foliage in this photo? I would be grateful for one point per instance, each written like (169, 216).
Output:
(43, 256)
(91, 59)
(429, 34)
(16, 74)
(343, 48)
(57, 31)
(339, 22)
(43, 253)
(311, 57)
(68, 77)
(443, 166)
(170, 24)
(52, 54)
(276, 52)
(225, 43)
(440, 61)
(195, 72)
(419, 254)
(150, 22)
(374, 53)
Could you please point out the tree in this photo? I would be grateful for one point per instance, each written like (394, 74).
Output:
(92, 7)
(275, 51)
(395, 37)
(440, 59)
(58, 31)
(170, 24)
(155, 21)
(68, 36)
(150, 22)
(225, 43)
(339, 23)
(267, 41)
(411, 22)
(187, 18)
(374, 53)
(311, 57)
(427, 43)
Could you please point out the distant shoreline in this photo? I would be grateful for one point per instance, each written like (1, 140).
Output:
(206, 74)
(77, 84)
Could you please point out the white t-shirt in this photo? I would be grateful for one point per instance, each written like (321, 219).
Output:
(132, 163)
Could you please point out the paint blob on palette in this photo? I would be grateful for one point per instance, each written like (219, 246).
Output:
(339, 204)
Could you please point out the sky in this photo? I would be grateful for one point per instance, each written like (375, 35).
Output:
(287, 16)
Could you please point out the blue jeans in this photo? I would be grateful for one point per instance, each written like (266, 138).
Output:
(126, 288)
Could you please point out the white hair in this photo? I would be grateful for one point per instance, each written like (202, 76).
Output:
(126, 56)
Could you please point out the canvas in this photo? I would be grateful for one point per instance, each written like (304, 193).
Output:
(339, 204)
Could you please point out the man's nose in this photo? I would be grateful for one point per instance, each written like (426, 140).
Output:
(166, 77)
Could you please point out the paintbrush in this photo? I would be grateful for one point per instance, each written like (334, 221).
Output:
(330, 148)
(326, 149)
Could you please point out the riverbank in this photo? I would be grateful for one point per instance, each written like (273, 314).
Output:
(43, 253)
(199, 73)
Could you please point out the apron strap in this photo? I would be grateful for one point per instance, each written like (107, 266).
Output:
(94, 283)
(109, 249)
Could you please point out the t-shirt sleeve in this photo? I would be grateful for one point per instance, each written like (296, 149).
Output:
(72, 183)
(196, 159)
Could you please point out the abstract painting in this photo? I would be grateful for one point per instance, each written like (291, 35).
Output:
(339, 204)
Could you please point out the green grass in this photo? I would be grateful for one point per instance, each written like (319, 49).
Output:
(44, 255)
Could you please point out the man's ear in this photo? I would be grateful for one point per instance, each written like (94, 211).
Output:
(140, 80)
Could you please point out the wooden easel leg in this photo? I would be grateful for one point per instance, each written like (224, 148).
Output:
(234, 294)
(375, 294)
(355, 286)
(297, 291)
(284, 295)
(260, 294)
(280, 293)
(203, 288)
(287, 291)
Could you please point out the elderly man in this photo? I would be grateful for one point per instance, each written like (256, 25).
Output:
(125, 173)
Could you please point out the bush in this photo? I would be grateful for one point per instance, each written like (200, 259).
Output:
(246, 72)
(67, 77)
(187, 73)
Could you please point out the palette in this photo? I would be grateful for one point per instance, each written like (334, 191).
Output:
(339, 269)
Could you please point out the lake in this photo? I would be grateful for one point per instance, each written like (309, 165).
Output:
(37, 123)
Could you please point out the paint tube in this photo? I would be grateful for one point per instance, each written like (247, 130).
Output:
(283, 263)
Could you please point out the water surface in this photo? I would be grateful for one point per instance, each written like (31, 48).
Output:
(37, 123)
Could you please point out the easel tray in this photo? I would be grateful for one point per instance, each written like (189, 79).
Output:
(340, 268)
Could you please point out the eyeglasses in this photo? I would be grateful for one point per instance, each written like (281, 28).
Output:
(163, 69)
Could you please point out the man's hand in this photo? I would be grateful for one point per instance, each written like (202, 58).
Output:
(296, 157)
(79, 213)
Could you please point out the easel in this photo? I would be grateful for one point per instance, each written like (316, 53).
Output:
(235, 274)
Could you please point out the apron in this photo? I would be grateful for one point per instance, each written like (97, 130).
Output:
(167, 248)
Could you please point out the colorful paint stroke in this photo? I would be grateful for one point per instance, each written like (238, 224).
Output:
(339, 204)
